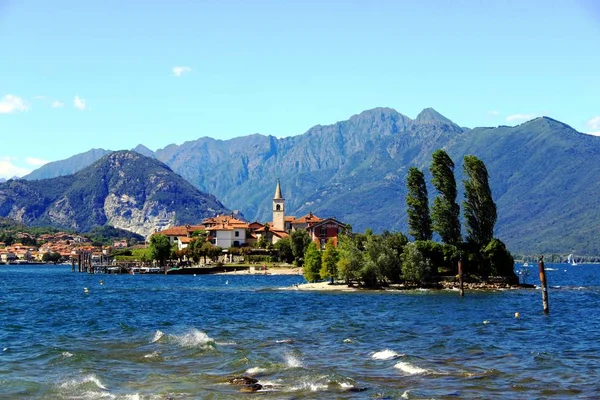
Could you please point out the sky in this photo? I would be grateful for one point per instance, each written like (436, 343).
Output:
(77, 75)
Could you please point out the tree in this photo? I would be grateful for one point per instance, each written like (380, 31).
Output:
(500, 260)
(415, 266)
(419, 221)
(51, 257)
(312, 263)
(300, 241)
(159, 248)
(445, 212)
(329, 260)
(284, 250)
(350, 250)
(479, 207)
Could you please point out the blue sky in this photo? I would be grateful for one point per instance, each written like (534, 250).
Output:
(76, 75)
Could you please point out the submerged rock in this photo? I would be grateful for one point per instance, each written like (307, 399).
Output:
(255, 387)
(242, 380)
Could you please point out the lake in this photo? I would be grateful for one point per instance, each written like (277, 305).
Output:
(180, 336)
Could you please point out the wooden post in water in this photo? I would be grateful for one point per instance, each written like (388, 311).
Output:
(544, 284)
(461, 289)
(72, 264)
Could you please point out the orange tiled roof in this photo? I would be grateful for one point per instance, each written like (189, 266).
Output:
(182, 230)
(309, 218)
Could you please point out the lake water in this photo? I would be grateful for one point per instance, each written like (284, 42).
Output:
(179, 337)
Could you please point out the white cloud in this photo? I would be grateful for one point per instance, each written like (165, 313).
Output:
(493, 113)
(39, 97)
(593, 123)
(79, 103)
(9, 170)
(35, 162)
(57, 104)
(519, 117)
(180, 71)
(11, 103)
(594, 133)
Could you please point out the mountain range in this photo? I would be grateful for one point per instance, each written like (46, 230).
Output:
(543, 173)
(124, 189)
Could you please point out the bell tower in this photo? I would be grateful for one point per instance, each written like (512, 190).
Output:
(278, 209)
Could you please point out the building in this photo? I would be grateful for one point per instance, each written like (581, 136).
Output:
(226, 231)
(320, 230)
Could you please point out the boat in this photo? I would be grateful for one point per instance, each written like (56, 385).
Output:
(571, 260)
(526, 264)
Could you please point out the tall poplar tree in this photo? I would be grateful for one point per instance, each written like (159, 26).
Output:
(445, 212)
(419, 220)
(479, 207)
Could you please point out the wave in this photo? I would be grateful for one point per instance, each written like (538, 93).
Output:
(410, 368)
(386, 354)
(157, 336)
(193, 338)
(83, 381)
(256, 370)
(292, 361)
(314, 385)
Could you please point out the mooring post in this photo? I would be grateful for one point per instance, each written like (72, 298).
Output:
(461, 289)
(72, 264)
(544, 284)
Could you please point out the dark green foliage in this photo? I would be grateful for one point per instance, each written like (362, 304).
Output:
(312, 263)
(500, 260)
(445, 212)
(417, 205)
(284, 250)
(51, 257)
(300, 239)
(479, 207)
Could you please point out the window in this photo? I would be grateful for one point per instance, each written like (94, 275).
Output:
(323, 231)
(278, 207)
(237, 233)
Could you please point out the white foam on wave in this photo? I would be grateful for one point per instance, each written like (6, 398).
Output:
(386, 354)
(314, 386)
(193, 338)
(66, 354)
(82, 380)
(157, 336)
(292, 361)
(255, 370)
(410, 368)
(154, 354)
(284, 341)
(226, 343)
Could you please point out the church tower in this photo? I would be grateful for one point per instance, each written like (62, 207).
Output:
(278, 209)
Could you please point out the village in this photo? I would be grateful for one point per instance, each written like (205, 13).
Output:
(224, 232)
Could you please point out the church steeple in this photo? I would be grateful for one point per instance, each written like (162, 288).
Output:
(278, 191)
(278, 209)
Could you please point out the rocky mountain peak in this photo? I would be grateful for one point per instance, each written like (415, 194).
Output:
(143, 150)
(430, 116)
